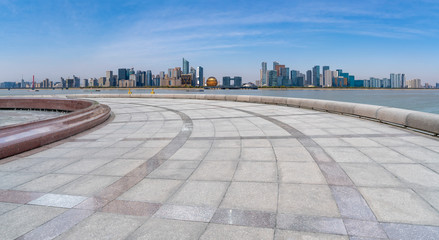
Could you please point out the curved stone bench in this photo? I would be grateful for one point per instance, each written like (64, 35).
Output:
(17, 138)
(422, 121)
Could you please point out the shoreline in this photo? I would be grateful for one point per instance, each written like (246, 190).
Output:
(198, 88)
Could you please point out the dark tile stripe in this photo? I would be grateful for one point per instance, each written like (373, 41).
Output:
(21, 197)
(58, 225)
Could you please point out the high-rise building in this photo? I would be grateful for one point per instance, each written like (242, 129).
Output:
(308, 77)
(397, 80)
(316, 76)
(327, 78)
(226, 81)
(122, 74)
(200, 76)
(323, 80)
(194, 76)
(275, 64)
(149, 79)
(237, 81)
(414, 83)
(272, 78)
(293, 76)
(264, 74)
(185, 66)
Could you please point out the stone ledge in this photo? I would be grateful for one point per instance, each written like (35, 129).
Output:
(84, 114)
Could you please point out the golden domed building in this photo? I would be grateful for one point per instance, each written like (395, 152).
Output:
(211, 82)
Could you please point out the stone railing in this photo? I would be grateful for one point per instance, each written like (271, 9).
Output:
(17, 138)
(426, 122)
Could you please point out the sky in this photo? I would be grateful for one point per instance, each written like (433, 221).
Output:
(370, 38)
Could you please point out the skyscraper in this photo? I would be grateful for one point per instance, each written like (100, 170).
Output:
(122, 74)
(264, 74)
(200, 76)
(272, 78)
(194, 76)
(316, 76)
(149, 78)
(185, 66)
(308, 77)
(323, 80)
(275, 64)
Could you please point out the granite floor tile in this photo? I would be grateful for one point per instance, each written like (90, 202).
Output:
(331, 142)
(118, 167)
(314, 224)
(258, 154)
(361, 228)
(409, 232)
(180, 164)
(226, 143)
(351, 204)
(218, 231)
(196, 154)
(279, 143)
(20, 164)
(58, 200)
(223, 154)
(83, 166)
(289, 235)
(104, 226)
(215, 171)
(256, 143)
(251, 196)
(49, 165)
(158, 228)
(25, 218)
(306, 199)
(57, 225)
(318, 154)
(6, 207)
(87, 185)
(141, 153)
(244, 218)
(300, 172)
(292, 154)
(47, 183)
(171, 173)
(151, 190)
(361, 142)
(344, 154)
(370, 174)
(131, 208)
(400, 206)
(415, 174)
(334, 174)
(385, 155)
(186, 213)
(14, 179)
(431, 196)
(200, 193)
(256, 171)
(21, 197)
(421, 155)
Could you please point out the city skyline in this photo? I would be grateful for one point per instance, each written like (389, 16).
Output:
(368, 39)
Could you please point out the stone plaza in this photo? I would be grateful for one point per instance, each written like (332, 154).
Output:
(202, 169)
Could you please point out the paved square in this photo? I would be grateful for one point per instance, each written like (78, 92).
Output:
(202, 169)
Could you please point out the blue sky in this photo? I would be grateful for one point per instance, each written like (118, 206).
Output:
(59, 38)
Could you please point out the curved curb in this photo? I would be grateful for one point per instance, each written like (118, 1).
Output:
(19, 138)
(426, 122)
